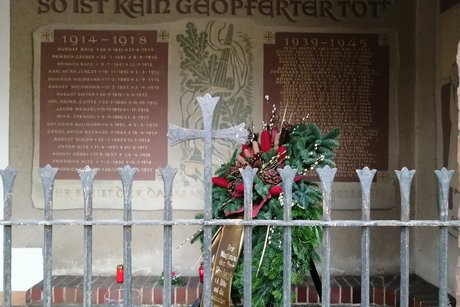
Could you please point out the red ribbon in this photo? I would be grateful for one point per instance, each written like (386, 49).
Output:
(255, 209)
(265, 141)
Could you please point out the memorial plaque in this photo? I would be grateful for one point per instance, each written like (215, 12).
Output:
(103, 101)
(334, 80)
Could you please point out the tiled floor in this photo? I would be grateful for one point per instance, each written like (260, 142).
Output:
(345, 291)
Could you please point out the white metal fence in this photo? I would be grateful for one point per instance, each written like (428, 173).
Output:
(177, 135)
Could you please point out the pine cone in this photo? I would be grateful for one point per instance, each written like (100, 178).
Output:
(233, 184)
(271, 177)
(235, 171)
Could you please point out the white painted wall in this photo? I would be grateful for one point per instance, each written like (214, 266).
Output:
(4, 98)
(4, 82)
(27, 268)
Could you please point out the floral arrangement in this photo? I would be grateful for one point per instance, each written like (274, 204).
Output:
(176, 279)
(303, 147)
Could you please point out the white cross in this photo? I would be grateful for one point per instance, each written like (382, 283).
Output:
(177, 135)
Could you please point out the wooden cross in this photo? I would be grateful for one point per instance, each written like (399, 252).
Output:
(178, 135)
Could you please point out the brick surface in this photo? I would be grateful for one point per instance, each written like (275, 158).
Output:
(390, 297)
(147, 295)
(70, 295)
(346, 296)
(103, 295)
(301, 292)
(379, 296)
(384, 290)
(36, 295)
(335, 295)
(158, 295)
(58, 295)
(312, 295)
(180, 295)
(345, 289)
(193, 289)
(79, 295)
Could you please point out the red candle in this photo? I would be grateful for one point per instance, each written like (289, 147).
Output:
(201, 271)
(120, 274)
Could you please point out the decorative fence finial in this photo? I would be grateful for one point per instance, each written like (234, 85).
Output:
(8, 176)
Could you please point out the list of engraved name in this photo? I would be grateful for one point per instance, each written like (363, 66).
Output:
(103, 101)
(334, 81)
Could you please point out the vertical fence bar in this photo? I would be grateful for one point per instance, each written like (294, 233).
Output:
(365, 177)
(248, 174)
(127, 176)
(444, 177)
(287, 175)
(47, 175)
(207, 212)
(326, 175)
(8, 176)
(168, 174)
(178, 135)
(87, 178)
(405, 179)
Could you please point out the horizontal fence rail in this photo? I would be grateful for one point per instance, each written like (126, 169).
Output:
(201, 222)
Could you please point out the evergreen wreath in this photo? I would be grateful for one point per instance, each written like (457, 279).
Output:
(303, 147)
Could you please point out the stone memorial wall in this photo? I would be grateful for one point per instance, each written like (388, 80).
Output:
(105, 96)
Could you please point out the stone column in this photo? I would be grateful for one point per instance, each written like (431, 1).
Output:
(457, 291)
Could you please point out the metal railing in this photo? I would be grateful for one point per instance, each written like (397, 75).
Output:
(176, 135)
